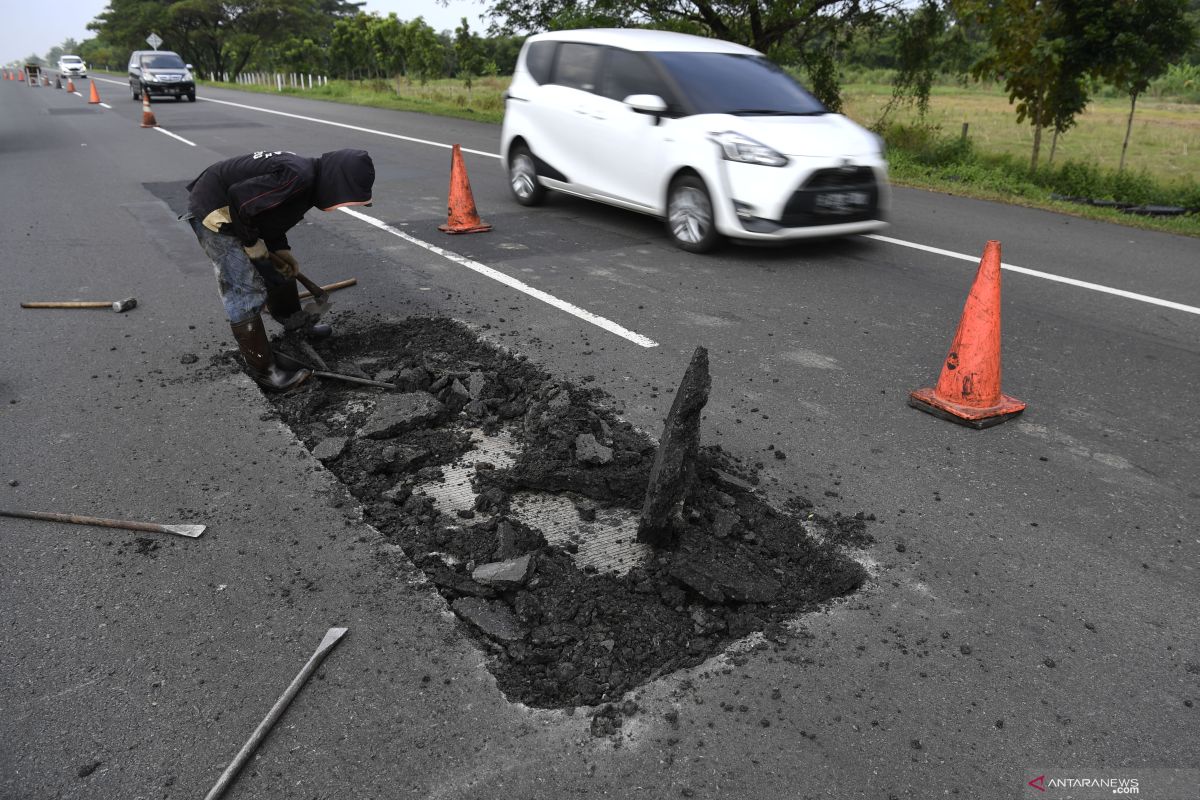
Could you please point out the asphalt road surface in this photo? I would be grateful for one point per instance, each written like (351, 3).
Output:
(1034, 601)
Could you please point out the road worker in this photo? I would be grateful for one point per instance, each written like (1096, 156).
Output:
(241, 210)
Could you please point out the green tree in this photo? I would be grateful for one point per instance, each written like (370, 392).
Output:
(68, 47)
(351, 49)
(218, 36)
(917, 33)
(425, 54)
(761, 24)
(469, 54)
(96, 51)
(1038, 48)
(389, 39)
(1150, 34)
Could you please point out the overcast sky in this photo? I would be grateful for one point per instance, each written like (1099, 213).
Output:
(35, 28)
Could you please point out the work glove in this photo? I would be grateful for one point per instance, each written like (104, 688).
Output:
(285, 263)
(256, 251)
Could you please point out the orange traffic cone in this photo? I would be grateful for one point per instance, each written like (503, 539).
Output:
(21, 76)
(70, 85)
(463, 217)
(968, 391)
(148, 120)
(95, 98)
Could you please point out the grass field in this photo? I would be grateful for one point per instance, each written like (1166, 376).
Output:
(1165, 141)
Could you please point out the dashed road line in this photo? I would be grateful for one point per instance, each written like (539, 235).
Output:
(174, 136)
(509, 281)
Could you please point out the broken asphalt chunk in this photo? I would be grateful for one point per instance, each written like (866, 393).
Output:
(493, 618)
(509, 574)
(673, 472)
(397, 413)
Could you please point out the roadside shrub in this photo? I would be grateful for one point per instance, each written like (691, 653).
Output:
(1181, 81)
(1135, 187)
(923, 152)
(927, 145)
(1076, 179)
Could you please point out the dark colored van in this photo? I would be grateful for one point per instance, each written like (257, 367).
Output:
(160, 72)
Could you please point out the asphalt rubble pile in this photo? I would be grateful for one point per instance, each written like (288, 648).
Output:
(560, 635)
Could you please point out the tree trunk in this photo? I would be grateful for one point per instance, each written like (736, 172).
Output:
(1037, 146)
(1128, 129)
(1053, 147)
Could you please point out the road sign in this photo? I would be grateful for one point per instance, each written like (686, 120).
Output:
(153, 40)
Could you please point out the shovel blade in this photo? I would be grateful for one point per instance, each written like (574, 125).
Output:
(191, 531)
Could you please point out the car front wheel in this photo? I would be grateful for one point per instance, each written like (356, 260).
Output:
(191, 97)
(136, 94)
(523, 177)
(690, 219)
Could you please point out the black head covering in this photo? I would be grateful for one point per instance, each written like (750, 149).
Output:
(343, 176)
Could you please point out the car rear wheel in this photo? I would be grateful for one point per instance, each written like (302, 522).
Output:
(690, 219)
(523, 177)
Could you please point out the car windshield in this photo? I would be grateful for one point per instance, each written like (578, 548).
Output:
(71, 59)
(730, 83)
(162, 61)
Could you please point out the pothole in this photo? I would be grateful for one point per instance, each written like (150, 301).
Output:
(518, 496)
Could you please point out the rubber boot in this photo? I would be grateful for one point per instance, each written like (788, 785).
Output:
(283, 303)
(251, 337)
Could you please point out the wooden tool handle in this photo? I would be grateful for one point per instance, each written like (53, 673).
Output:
(332, 287)
(68, 304)
(313, 287)
(330, 640)
(82, 520)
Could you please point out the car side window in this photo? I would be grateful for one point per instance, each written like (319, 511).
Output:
(577, 65)
(626, 73)
(539, 60)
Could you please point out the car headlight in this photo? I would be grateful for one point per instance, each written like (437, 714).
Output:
(737, 147)
(152, 78)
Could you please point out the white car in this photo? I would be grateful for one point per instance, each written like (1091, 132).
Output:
(709, 135)
(72, 66)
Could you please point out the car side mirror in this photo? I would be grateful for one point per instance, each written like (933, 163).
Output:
(647, 104)
(650, 104)
(187, 66)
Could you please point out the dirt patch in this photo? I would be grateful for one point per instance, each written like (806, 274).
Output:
(518, 495)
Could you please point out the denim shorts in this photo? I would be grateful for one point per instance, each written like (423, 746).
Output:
(241, 282)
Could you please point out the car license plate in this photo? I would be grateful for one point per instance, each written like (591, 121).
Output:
(841, 202)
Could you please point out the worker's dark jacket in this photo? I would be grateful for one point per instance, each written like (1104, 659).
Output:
(262, 195)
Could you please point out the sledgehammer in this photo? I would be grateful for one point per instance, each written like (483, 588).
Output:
(118, 305)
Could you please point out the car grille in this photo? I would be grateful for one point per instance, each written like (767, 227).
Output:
(832, 196)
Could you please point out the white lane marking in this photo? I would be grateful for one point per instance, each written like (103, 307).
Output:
(174, 136)
(347, 127)
(889, 240)
(1095, 287)
(106, 105)
(496, 275)
(77, 94)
